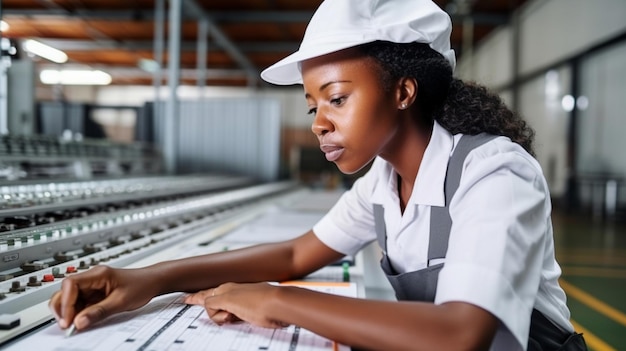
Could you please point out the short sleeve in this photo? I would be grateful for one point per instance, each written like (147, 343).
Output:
(349, 225)
(500, 216)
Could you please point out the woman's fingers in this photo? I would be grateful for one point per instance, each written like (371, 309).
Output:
(231, 302)
(99, 311)
(91, 296)
(55, 308)
(199, 297)
(218, 316)
(68, 297)
(236, 302)
(222, 317)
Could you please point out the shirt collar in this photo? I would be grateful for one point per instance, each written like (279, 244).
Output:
(429, 185)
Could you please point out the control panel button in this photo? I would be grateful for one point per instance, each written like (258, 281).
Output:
(9, 321)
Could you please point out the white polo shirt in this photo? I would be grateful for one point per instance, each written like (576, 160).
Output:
(501, 249)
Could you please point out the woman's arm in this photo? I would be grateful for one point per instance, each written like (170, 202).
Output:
(91, 296)
(373, 325)
(266, 262)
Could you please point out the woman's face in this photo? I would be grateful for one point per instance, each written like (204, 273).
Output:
(354, 119)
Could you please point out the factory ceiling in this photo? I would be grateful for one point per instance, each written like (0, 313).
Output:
(244, 36)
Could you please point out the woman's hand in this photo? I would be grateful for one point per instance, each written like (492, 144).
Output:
(232, 302)
(91, 296)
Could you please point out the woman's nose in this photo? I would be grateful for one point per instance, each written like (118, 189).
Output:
(321, 125)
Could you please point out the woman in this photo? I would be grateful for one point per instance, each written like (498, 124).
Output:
(377, 77)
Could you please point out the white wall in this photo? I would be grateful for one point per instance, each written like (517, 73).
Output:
(602, 124)
(20, 97)
(551, 32)
(492, 62)
(541, 106)
(293, 105)
(227, 135)
(555, 29)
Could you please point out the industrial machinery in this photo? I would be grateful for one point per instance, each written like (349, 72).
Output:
(67, 205)
(51, 230)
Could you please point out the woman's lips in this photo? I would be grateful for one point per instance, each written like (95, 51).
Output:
(332, 152)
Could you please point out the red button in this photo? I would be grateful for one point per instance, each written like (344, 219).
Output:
(48, 278)
(70, 269)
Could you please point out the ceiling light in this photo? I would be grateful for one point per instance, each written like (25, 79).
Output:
(568, 102)
(148, 65)
(45, 51)
(582, 102)
(4, 26)
(75, 77)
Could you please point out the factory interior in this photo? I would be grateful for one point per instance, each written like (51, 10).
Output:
(131, 131)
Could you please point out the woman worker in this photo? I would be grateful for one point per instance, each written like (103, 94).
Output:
(454, 196)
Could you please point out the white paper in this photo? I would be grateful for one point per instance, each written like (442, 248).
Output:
(166, 323)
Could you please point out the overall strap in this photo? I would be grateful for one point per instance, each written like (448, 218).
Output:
(380, 227)
(440, 221)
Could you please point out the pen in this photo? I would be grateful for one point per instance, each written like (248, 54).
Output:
(70, 331)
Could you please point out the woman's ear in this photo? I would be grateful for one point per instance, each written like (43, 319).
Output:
(406, 92)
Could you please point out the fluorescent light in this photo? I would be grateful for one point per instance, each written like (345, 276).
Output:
(45, 51)
(75, 77)
(568, 102)
(148, 65)
(4, 26)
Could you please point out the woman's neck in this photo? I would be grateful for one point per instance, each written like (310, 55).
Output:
(406, 157)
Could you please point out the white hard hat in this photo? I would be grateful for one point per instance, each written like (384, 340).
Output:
(341, 24)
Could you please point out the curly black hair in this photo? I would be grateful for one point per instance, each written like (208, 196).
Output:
(458, 106)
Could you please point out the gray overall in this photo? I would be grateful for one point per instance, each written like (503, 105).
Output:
(421, 285)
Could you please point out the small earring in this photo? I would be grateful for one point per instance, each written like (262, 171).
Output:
(403, 106)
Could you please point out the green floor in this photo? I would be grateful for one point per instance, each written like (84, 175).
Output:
(592, 254)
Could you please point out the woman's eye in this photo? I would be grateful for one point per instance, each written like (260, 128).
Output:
(335, 102)
(338, 101)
